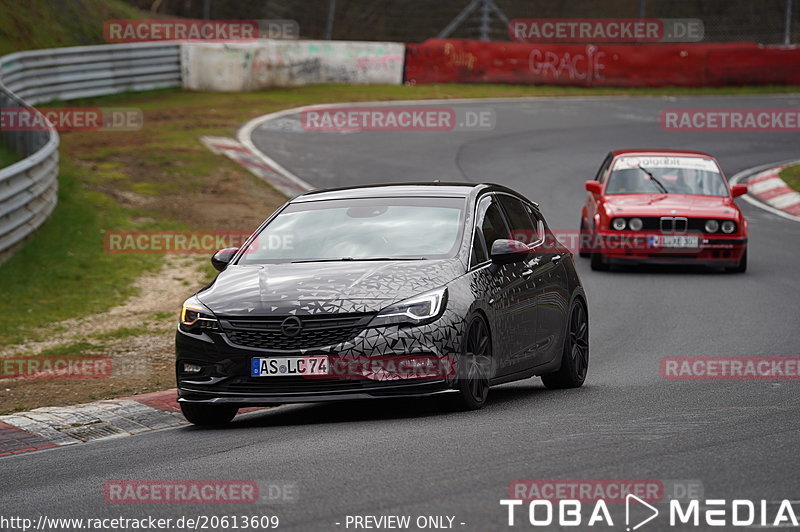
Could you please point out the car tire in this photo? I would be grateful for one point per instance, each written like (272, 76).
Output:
(575, 356)
(207, 415)
(474, 366)
(597, 263)
(741, 267)
(582, 251)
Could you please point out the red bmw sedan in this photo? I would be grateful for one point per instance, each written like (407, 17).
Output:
(663, 207)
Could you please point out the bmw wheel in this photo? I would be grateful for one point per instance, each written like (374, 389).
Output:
(741, 267)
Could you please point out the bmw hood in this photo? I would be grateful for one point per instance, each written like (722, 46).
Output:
(317, 288)
(669, 204)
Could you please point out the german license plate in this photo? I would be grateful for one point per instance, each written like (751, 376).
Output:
(673, 241)
(288, 366)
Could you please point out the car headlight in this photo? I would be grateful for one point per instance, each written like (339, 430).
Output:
(728, 227)
(418, 310)
(618, 224)
(712, 226)
(195, 315)
(635, 224)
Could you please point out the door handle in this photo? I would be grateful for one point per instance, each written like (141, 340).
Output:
(556, 259)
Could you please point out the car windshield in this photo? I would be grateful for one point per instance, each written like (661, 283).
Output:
(672, 175)
(361, 229)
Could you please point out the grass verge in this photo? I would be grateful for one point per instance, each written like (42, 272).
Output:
(7, 156)
(34, 24)
(791, 174)
(63, 272)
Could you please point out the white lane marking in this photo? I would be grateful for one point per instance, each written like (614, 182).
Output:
(233, 149)
(244, 135)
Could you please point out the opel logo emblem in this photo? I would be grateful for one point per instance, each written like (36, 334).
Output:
(291, 326)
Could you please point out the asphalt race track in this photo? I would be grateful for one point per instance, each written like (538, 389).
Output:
(739, 439)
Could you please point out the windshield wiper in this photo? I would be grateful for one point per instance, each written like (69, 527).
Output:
(322, 260)
(354, 259)
(393, 258)
(653, 178)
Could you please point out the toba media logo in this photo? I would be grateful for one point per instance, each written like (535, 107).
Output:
(543, 503)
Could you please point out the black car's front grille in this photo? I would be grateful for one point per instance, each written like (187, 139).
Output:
(314, 331)
(303, 385)
(292, 385)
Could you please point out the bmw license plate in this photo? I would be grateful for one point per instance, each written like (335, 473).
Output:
(288, 366)
(673, 241)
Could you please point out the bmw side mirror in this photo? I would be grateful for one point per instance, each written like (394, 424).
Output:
(738, 190)
(508, 251)
(594, 187)
(222, 258)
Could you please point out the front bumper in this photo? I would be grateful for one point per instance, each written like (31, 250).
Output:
(639, 248)
(225, 368)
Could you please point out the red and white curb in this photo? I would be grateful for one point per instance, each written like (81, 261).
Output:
(766, 190)
(48, 427)
(259, 164)
(771, 189)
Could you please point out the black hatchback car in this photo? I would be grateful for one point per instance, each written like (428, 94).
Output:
(384, 291)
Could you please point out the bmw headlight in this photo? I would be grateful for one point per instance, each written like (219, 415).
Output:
(195, 315)
(712, 226)
(418, 310)
(636, 224)
(728, 227)
(618, 224)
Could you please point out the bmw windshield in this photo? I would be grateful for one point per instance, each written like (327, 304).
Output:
(361, 229)
(668, 175)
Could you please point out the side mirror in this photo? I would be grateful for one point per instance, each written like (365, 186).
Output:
(222, 258)
(738, 190)
(508, 251)
(594, 187)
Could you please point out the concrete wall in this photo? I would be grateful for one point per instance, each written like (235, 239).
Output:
(237, 67)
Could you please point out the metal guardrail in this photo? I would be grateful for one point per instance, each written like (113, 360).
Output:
(28, 188)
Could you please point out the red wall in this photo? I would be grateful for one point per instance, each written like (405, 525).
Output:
(612, 65)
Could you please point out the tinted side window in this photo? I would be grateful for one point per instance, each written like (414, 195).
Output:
(478, 251)
(493, 226)
(522, 228)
